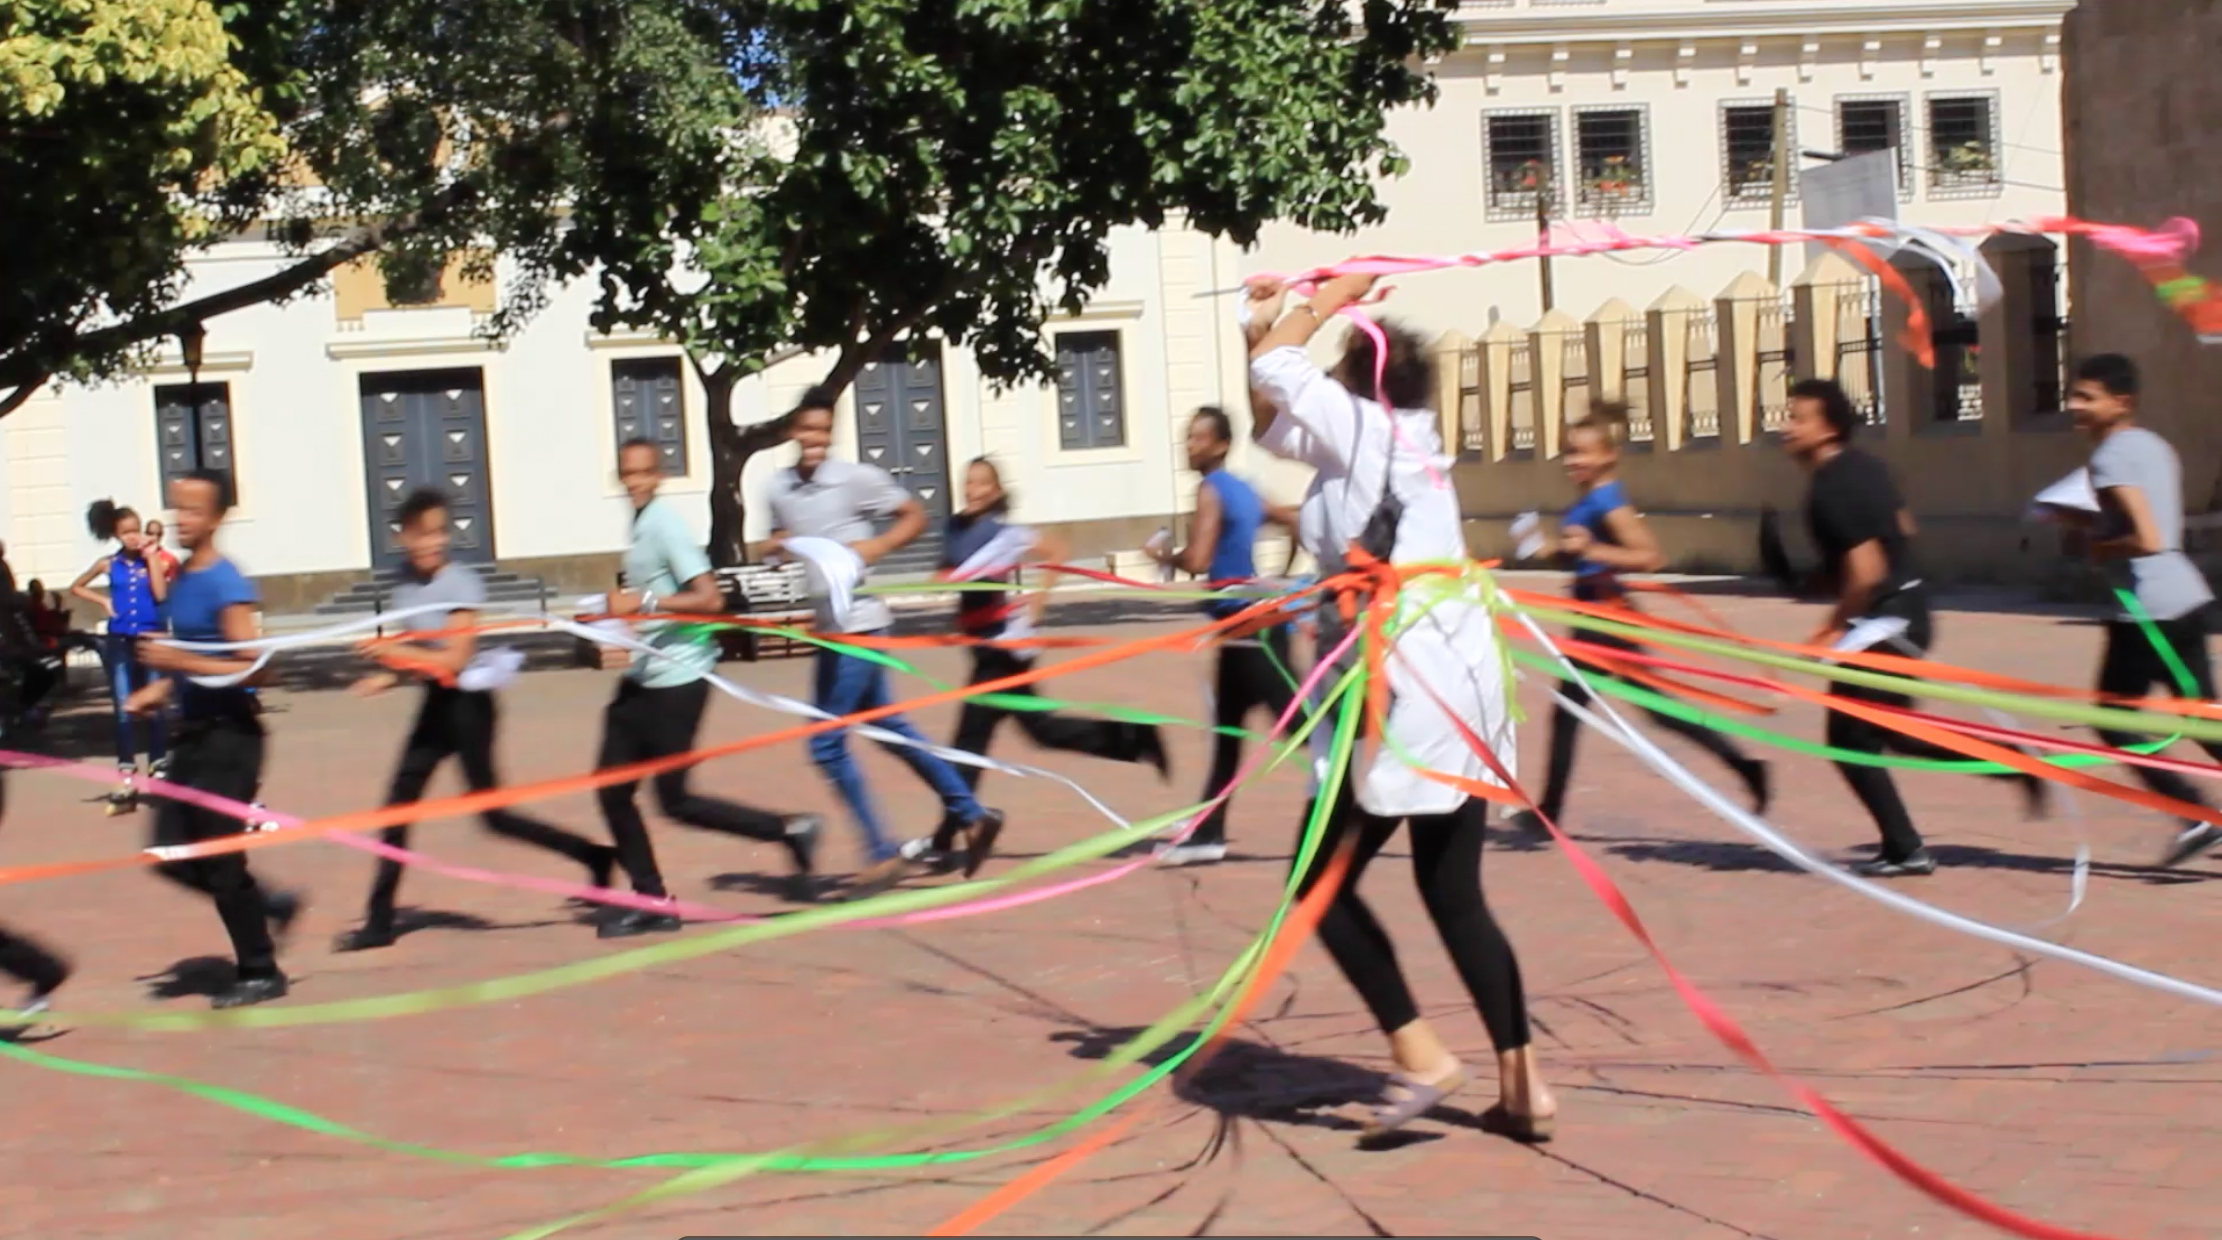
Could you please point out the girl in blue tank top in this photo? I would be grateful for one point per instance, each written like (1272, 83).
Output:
(137, 584)
(1600, 537)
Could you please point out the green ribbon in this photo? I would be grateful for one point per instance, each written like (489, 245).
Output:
(707, 1170)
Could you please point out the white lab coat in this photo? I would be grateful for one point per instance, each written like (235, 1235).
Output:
(1348, 440)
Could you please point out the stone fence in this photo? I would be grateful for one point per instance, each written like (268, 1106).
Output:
(1707, 385)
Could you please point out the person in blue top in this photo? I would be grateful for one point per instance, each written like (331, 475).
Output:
(219, 737)
(1253, 672)
(1602, 536)
(989, 615)
(137, 584)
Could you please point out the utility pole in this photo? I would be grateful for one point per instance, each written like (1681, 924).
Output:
(1782, 182)
(1543, 237)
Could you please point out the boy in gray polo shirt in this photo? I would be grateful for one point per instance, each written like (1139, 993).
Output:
(819, 497)
(2139, 531)
(450, 721)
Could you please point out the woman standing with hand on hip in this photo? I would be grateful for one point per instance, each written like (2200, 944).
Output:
(137, 586)
(1375, 490)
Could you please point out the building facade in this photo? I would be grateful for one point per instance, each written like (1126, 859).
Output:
(1655, 115)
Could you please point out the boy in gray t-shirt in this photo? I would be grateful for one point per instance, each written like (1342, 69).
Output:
(2139, 483)
(451, 722)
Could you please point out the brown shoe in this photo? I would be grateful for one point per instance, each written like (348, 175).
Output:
(878, 879)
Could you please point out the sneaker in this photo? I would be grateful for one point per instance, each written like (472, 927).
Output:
(979, 840)
(248, 991)
(879, 878)
(1918, 865)
(125, 798)
(927, 854)
(804, 831)
(1152, 752)
(2195, 839)
(634, 922)
(2036, 796)
(1759, 783)
(1192, 854)
(158, 769)
(283, 908)
(1526, 822)
(42, 992)
(364, 939)
(259, 820)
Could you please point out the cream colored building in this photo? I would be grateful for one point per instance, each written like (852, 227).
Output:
(1640, 112)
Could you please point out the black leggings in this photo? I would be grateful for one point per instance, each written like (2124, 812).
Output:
(1566, 729)
(642, 724)
(224, 756)
(452, 722)
(2131, 667)
(1873, 784)
(1249, 677)
(1098, 738)
(977, 722)
(1446, 862)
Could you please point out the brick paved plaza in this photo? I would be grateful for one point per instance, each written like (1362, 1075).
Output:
(2056, 1092)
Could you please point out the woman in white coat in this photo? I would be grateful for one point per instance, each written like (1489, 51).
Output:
(1333, 424)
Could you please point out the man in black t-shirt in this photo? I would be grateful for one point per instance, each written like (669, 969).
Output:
(1865, 535)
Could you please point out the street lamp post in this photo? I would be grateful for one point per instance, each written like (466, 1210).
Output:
(190, 341)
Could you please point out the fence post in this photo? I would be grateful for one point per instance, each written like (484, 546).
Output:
(1668, 323)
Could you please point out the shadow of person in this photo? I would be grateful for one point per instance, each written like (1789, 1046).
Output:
(194, 976)
(1251, 1080)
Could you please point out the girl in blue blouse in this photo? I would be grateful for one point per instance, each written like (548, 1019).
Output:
(137, 583)
(1600, 537)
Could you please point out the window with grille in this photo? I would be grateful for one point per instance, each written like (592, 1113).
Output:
(1748, 150)
(648, 398)
(1613, 149)
(1521, 153)
(1091, 406)
(1963, 144)
(192, 431)
(1865, 126)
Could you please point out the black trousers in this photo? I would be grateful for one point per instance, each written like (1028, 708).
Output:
(21, 958)
(1446, 863)
(1566, 729)
(640, 725)
(453, 723)
(2132, 666)
(1098, 738)
(1873, 784)
(1246, 680)
(222, 756)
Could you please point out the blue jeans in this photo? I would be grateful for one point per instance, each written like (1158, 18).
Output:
(843, 686)
(119, 655)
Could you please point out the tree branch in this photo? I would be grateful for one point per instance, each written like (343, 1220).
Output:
(22, 392)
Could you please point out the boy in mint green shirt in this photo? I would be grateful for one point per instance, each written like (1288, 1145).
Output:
(658, 708)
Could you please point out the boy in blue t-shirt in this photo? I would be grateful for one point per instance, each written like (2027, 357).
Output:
(1222, 537)
(1600, 537)
(218, 745)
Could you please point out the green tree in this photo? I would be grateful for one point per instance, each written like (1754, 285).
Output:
(955, 168)
(566, 137)
(122, 123)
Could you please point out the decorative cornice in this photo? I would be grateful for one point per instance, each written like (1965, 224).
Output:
(375, 347)
(1747, 19)
(171, 365)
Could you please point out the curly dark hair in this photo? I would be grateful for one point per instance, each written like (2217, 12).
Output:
(1409, 377)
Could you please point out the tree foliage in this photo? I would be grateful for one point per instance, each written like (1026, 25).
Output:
(956, 167)
(123, 124)
(568, 137)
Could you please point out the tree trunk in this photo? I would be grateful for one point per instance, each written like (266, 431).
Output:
(728, 515)
(731, 448)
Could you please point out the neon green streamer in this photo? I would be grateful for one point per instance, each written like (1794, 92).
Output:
(2094, 716)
